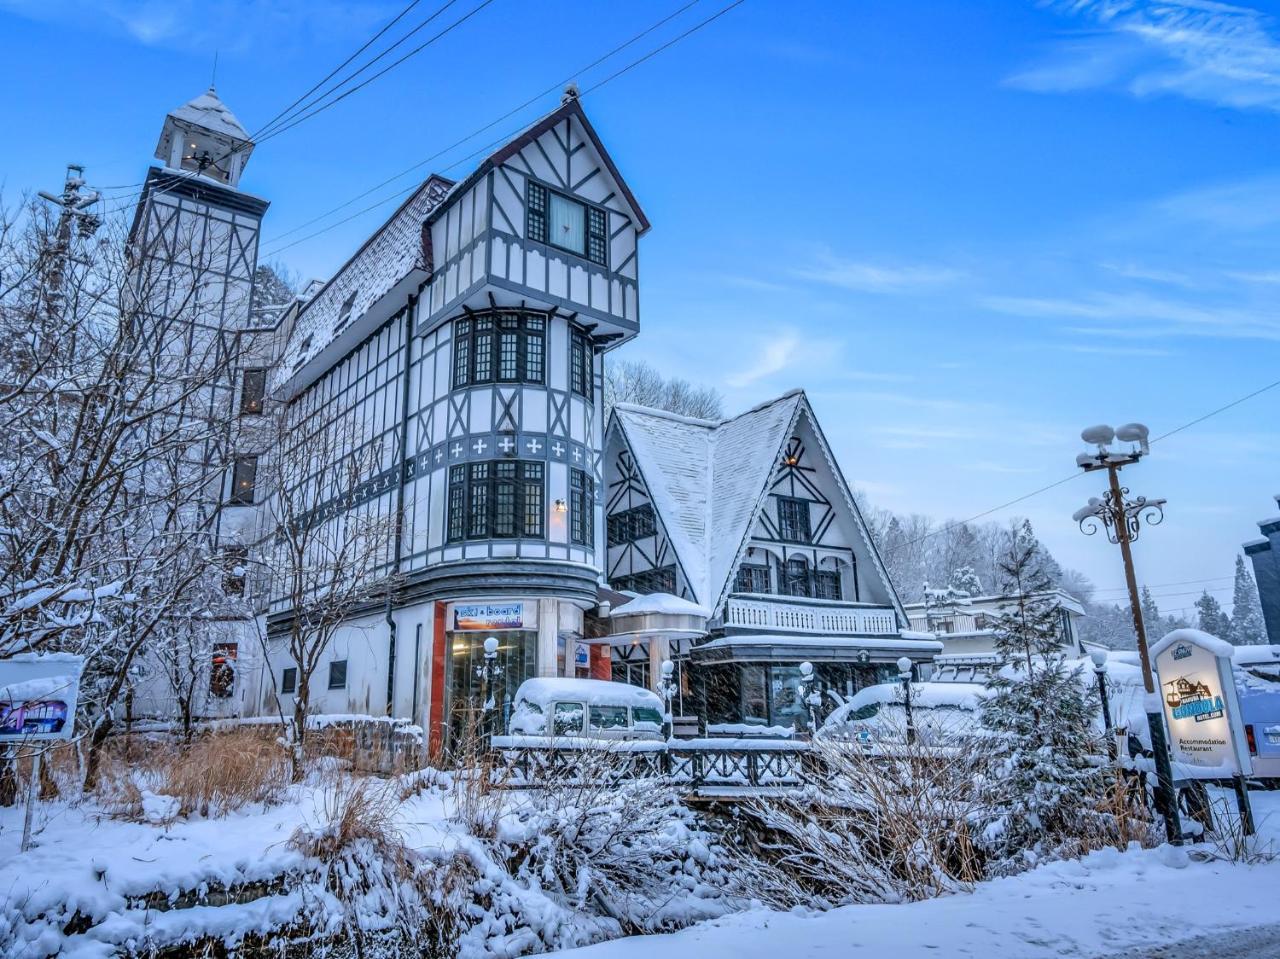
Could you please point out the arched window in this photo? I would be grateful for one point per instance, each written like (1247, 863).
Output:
(797, 578)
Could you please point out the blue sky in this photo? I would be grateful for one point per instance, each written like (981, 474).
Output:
(967, 228)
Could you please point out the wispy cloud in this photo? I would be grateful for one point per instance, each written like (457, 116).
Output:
(868, 277)
(1199, 49)
(774, 355)
(1239, 206)
(1093, 349)
(228, 25)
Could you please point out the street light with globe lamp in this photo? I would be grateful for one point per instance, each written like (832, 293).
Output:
(809, 695)
(904, 674)
(667, 689)
(488, 671)
(1099, 657)
(1122, 520)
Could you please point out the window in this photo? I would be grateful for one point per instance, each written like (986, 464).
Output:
(644, 717)
(632, 524)
(344, 314)
(793, 519)
(222, 670)
(501, 499)
(752, 579)
(289, 680)
(535, 222)
(797, 577)
(582, 507)
(568, 719)
(244, 473)
(253, 387)
(580, 364)
(338, 674)
(826, 584)
(503, 347)
(660, 580)
(608, 717)
(567, 223)
(233, 560)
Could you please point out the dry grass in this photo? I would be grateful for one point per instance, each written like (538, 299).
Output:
(354, 810)
(216, 774)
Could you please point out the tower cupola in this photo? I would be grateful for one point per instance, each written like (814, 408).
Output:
(204, 137)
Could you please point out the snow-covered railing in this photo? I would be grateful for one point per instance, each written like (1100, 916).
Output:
(792, 614)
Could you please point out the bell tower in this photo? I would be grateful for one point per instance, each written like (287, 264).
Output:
(204, 137)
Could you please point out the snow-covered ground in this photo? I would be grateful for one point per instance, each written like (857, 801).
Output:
(1108, 903)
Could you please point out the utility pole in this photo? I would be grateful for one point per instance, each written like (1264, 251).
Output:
(73, 207)
(1122, 519)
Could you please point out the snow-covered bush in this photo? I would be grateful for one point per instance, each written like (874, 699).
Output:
(878, 827)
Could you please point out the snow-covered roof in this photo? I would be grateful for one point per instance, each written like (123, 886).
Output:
(709, 479)
(208, 111)
(337, 314)
(593, 692)
(660, 603)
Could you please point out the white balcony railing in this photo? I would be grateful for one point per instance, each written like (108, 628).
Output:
(798, 615)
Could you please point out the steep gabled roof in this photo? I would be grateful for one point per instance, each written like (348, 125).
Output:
(709, 480)
(571, 107)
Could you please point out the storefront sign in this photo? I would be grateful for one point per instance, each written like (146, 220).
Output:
(581, 655)
(490, 616)
(38, 697)
(1198, 692)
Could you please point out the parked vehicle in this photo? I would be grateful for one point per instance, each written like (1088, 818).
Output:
(1257, 671)
(586, 708)
(877, 714)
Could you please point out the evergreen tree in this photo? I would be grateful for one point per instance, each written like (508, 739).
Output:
(1049, 781)
(1210, 618)
(1247, 625)
(1151, 621)
(964, 580)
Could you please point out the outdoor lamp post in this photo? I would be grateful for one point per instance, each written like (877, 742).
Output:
(1099, 657)
(904, 674)
(488, 671)
(1122, 520)
(667, 689)
(809, 696)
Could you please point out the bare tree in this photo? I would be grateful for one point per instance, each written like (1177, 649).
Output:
(331, 552)
(110, 458)
(634, 381)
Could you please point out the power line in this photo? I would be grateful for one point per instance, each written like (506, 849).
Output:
(1067, 479)
(488, 126)
(1185, 582)
(275, 251)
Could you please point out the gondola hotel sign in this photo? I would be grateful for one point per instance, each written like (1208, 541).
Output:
(1198, 695)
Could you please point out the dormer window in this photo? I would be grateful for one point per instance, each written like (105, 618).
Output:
(344, 314)
(567, 223)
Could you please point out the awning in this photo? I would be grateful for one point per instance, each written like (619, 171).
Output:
(791, 648)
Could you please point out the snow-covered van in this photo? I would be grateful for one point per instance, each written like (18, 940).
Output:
(1257, 671)
(876, 714)
(586, 708)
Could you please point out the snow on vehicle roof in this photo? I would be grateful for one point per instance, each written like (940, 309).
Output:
(660, 603)
(593, 692)
(1256, 655)
(923, 695)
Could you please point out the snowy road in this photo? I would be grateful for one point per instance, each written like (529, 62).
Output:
(1260, 943)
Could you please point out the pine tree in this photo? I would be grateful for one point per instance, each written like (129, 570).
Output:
(1210, 617)
(1151, 621)
(965, 580)
(1247, 625)
(1049, 781)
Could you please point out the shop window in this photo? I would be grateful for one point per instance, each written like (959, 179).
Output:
(222, 670)
(338, 674)
(289, 680)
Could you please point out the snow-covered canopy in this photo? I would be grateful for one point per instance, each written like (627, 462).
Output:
(660, 603)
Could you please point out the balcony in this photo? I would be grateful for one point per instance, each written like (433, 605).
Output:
(797, 614)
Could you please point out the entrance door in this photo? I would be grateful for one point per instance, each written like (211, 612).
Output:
(517, 656)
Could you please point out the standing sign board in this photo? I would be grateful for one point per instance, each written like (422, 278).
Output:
(1198, 693)
(38, 696)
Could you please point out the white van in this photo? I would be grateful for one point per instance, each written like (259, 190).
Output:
(585, 708)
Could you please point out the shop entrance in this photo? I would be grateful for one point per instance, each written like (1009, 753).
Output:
(518, 657)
